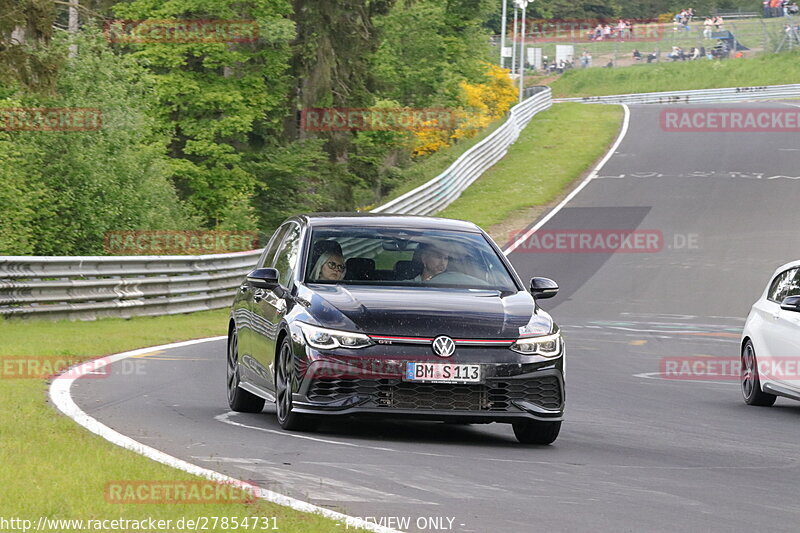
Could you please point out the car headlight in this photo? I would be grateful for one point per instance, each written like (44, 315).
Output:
(546, 345)
(329, 339)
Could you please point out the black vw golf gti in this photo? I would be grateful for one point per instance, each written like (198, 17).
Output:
(388, 315)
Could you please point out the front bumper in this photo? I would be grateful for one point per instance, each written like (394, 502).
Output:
(509, 393)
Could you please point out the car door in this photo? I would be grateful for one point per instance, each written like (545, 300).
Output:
(243, 310)
(269, 307)
(784, 339)
(770, 349)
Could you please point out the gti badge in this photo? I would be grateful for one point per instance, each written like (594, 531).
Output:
(443, 346)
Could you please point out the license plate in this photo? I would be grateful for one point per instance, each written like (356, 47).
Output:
(443, 373)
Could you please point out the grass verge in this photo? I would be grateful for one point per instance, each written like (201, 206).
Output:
(555, 148)
(767, 69)
(50, 467)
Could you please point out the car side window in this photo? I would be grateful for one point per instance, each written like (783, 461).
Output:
(268, 255)
(288, 253)
(783, 284)
(793, 287)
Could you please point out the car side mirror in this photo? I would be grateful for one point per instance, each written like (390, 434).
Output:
(542, 288)
(263, 278)
(791, 303)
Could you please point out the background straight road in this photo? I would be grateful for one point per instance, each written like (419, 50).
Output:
(636, 452)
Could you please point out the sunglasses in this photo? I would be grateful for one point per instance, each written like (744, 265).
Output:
(333, 265)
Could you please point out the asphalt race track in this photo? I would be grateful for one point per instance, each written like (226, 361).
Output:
(637, 452)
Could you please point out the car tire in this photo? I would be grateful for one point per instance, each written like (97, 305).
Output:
(284, 374)
(239, 399)
(535, 432)
(751, 384)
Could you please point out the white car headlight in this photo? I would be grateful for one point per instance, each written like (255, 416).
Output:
(329, 339)
(545, 345)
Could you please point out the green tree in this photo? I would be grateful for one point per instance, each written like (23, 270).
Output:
(214, 96)
(26, 28)
(448, 46)
(75, 186)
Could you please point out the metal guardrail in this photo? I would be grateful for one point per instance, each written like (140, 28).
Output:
(442, 190)
(120, 286)
(124, 286)
(737, 14)
(730, 94)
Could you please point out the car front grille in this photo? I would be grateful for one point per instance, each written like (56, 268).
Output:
(495, 395)
(440, 396)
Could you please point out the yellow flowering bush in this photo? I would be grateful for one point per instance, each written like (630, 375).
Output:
(481, 104)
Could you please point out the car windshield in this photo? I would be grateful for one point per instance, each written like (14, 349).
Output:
(391, 256)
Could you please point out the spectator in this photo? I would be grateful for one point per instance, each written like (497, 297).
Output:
(767, 11)
(586, 59)
(676, 54)
(707, 28)
(637, 55)
(718, 22)
(621, 29)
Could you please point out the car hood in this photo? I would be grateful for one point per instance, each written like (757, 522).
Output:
(426, 312)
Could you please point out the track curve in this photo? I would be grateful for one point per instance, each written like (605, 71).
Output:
(636, 452)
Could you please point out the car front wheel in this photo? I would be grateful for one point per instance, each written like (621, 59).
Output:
(284, 373)
(751, 384)
(238, 398)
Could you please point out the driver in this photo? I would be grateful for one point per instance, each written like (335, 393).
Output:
(434, 261)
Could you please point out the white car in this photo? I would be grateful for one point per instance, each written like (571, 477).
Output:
(771, 341)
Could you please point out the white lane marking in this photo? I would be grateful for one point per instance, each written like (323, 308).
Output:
(579, 188)
(448, 485)
(225, 418)
(231, 460)
(660, 377)
(315, 487)
(701, 174)
(60, 396)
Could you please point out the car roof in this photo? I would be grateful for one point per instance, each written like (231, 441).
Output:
(380, 220)
(787, 266)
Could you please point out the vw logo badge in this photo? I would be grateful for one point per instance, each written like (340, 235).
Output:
(443, 346)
